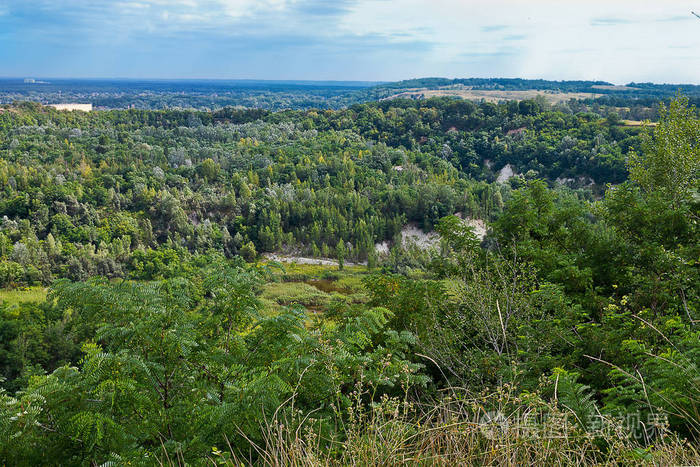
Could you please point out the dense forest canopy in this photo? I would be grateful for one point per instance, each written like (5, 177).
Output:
(105, 186)
(565, 331)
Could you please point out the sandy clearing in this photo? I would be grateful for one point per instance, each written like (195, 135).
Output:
(478, 226)
(81, 107)
(505, 174)
(412, 235)
(305, 260)
(382, 248)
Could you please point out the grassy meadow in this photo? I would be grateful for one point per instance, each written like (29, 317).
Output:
(27, 294)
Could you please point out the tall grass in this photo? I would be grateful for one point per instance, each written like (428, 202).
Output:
(294, 293)
(27, 294)
(499, 428)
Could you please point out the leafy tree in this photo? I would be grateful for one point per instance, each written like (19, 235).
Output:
(209, 169)
(247, 251)
(669, 163)
(341, 252)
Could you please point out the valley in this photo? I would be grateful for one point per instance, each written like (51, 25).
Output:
(222, 285)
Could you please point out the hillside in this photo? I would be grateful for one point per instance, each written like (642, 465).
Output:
(294, 181)
(399, 281)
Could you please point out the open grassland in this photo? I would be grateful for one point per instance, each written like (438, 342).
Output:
(30, 294)
(494, 95)
(311, 286)
(637, 123)
(318, 270)
(609, 87)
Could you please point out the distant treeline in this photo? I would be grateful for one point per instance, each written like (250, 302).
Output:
(278, 95)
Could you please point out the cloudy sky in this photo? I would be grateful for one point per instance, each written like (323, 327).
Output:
(613, 40)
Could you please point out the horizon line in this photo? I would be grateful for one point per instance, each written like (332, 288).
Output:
(291, 80)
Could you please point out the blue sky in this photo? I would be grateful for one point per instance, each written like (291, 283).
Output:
(613, 40)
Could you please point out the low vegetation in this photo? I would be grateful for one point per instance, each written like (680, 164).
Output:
(11, 297)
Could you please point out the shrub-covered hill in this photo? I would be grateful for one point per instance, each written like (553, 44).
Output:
(568, 335)
(103, 192)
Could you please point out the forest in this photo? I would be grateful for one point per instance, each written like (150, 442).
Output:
(237, 285)
(638, 100)
(189, 94)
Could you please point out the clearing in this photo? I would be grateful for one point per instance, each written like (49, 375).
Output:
(31, 294)
(81, 107)
(614, 88)
(305, 260)
(637, 123)
(493, 95)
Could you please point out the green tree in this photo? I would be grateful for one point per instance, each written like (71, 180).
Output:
(669, 163)
(341, 253)
(209, 169)
(248, 252)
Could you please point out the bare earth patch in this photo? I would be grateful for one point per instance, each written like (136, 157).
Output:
(614, 88)
(479, 227)
(505, 174)
(81, 107)
(304, 260)
(382, 248)
(411, 234)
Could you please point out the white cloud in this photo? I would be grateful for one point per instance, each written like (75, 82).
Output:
(615, 40)
(242, 8)
(622, 39)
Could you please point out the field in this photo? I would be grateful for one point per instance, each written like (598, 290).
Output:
(611, 87)
(31, 294)
(493, 95)
(636, 123)
(316, 270)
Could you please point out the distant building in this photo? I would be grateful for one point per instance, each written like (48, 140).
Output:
(29, 80)
(82, 107)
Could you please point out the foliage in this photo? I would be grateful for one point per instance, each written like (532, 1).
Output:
(119, 193)
(170, 359)
(568, 334)
(670, 162)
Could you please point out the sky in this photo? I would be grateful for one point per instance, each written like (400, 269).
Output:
(619, 41)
